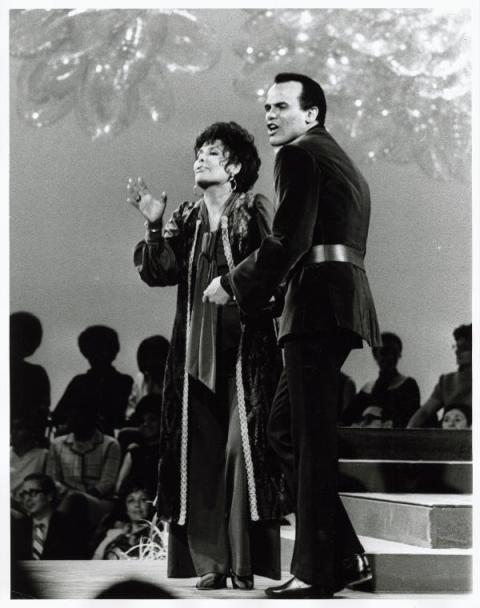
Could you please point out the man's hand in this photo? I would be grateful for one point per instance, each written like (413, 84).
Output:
(215, 293)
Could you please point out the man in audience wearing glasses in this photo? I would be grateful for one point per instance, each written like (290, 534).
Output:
(44, 533)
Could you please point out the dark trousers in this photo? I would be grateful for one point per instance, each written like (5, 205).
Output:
(219, 536)
(303, 433)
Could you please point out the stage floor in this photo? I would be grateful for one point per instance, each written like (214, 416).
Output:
(86, 579)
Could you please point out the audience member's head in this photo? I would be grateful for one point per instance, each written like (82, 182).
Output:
(134, 589)
(38, 495)
(23, 434)
(82, 421)
(152, 356)
(463, 345)
(135, 504)
(99, 345)
(389, 353)
(25, 334)
(147, 416)
(457, 416)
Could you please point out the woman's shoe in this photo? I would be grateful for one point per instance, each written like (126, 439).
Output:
(242, 582)
(212, 580)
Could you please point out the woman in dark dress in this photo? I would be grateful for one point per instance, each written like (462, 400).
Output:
(219, 484)
(392, 399)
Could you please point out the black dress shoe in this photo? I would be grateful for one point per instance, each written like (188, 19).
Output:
(212, 580)
(242, 582)
(354, 570)
(297, 589)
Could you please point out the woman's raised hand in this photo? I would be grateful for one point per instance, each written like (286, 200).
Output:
(140, 198)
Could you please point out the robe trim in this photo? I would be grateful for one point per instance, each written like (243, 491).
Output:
(242, 412)
(184, 438)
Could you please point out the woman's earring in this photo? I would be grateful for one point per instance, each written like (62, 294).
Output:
(233, 182)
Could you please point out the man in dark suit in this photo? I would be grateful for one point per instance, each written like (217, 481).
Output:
(45, 533)
(317, 248)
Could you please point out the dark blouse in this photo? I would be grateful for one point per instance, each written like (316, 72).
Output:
(398, 403)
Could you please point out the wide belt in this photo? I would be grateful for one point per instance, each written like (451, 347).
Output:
(334, 253)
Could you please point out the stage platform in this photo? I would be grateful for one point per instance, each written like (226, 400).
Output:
(86, 579)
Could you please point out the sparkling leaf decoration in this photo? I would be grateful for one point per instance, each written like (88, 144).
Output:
(398, 81)
(105, 64)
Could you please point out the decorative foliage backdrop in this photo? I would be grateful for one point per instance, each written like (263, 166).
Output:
(399, 78)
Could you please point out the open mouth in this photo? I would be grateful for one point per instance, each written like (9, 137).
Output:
(272, 128)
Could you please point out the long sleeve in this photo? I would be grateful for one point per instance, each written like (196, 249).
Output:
(159, 258)
(255, 279)
(111, 465)
(53, 468)
(408, 403)
(423, 416)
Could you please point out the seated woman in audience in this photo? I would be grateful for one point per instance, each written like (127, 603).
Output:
(85, 465)
(457, 417)
(29, 383)
(130, 526)
(104, 388)
(151, 360)
(453, 388)
(140, 465)
(393, 396)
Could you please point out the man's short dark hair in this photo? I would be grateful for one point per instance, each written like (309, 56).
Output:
(239, 145)
(463, 331)
(45, 482)
(312, 93)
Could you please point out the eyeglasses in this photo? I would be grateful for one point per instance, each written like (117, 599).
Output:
(31, 493)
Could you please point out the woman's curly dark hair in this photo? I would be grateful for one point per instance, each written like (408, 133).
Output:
(240, 148)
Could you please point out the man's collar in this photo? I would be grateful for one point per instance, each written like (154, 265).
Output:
(45, 520)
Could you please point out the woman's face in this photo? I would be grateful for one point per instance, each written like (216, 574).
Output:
(454, 419)
(137, 505)
(210, 165)
(150, 426)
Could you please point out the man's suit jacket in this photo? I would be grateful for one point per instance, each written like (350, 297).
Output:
(63, 540)
(322, 198)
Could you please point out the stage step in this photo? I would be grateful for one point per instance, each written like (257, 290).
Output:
(425, 520)
(402, 568)
(405, 444)
(407, 476)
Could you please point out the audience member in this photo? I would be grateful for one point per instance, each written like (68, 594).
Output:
(29, 383)
(389, 401)
(101, 387)
(151, 360)
(457, 417)
(346, 393)
(140, 464)
(85, 463)
(452, 388)
(26, 456)
(131, 526)
(45, 533)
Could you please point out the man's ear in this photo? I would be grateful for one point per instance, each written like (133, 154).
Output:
(312, 114)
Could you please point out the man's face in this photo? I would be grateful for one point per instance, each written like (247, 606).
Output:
(463, 351)
(284, 117)
(35, 501)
